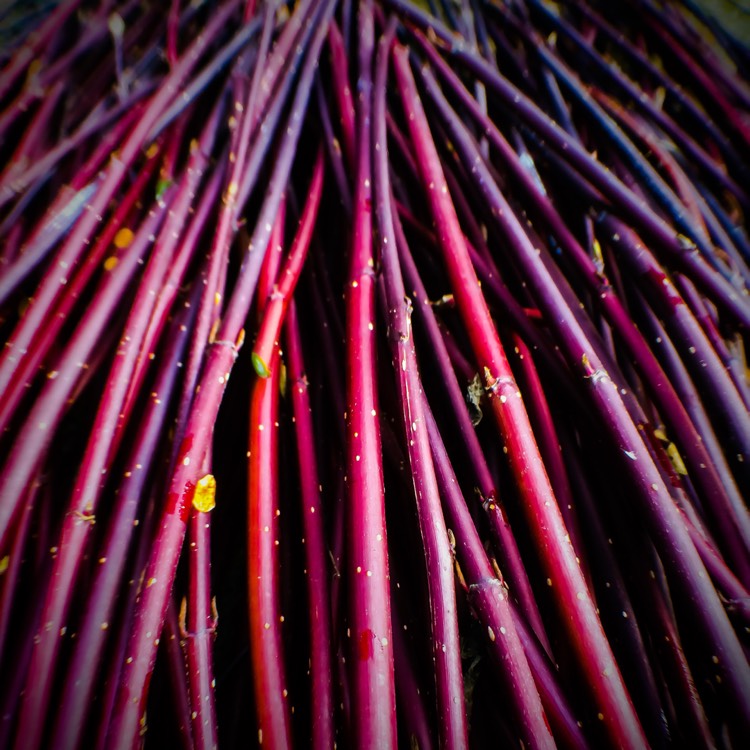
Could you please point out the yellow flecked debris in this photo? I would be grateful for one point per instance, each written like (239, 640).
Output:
(110, 263)
(4, 563)
(123, 238)
(35, 67)
(204, 498)
(676, 459)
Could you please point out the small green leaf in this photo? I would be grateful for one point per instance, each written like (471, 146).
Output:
(261, 368)
(161, 187)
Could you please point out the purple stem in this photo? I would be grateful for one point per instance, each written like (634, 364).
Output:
(640, 59)
(645, 173)
(106, 433)
(446, 650)
(331, 330)
(409, 696)
(342, 90)
(506, 546)
(734, 368)
(77, 243)
(516, 654)
(118, 119)
(732, 267)
(316, 557)
(550, 448)
(656, 609)
(113, 554)
(19, 374)
(659, 386)
(35, 43)
(200, 630)
(15, 670)
(177, 667)
(34, 138)
(640, 101)
(85, 174)
(698, 75)
(198, 84)
(113, 668)
(189, 245)
(271, 97)
(612, 597)
(710, 375)
(678, 375)
(666, 524)
(12, 563)
(333, 148)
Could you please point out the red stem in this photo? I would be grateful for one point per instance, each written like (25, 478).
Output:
(280, 294)
(373, 693)
(265, 617)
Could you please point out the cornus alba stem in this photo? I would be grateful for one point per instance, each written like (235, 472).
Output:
(495, 282)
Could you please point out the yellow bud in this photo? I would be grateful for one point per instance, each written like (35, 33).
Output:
(204, 498)
(123, 238)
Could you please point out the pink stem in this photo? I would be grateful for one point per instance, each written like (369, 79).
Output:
(281, 294)
(178, 677)
(201, 628)
(445, 646)
(316, 557)
(373, 693)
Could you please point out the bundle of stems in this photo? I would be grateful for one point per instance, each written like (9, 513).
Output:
(374, 374)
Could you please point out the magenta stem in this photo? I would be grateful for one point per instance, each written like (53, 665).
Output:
(280, 295)
(316, 555)
(445, 646)
(200, 632)
(372, 687)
